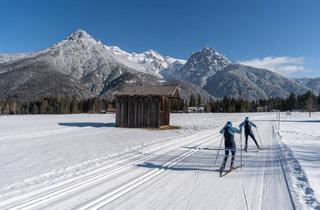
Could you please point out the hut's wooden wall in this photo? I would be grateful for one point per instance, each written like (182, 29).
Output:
(138, 111)
(165, 111)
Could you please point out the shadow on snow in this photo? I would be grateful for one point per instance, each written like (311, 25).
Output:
(293, 121)
(87, 124)
(174, 168)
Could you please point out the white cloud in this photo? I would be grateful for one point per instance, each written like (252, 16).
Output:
(283, 65)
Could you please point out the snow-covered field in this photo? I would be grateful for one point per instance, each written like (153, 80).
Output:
(300, 137)
(84, 162)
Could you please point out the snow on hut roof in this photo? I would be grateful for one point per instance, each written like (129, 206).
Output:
(169, 91)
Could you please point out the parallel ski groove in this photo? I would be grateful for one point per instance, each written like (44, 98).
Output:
(193, 188)
(283, 171)
(105, 199)
(37, 198)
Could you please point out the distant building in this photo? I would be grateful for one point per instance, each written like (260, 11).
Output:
(145, 107)
(110, 109)
(195, 109)
(263, 109)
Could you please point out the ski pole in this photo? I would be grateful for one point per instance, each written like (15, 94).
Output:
(218, 152)
(240, 147)
(259, 137)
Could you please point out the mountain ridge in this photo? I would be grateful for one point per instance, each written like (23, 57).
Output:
(90, 69)
(94, 69)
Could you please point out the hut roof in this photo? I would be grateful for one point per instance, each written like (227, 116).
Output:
(169, 91)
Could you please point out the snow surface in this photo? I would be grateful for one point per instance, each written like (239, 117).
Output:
(84, 162)
(300, 137)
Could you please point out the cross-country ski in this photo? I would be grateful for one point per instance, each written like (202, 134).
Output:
(226, 172)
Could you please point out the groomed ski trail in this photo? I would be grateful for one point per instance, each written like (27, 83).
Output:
(263, 182)
(176, 175)
(42, 197)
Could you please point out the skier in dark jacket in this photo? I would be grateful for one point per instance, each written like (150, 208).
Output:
(247, 124)
(229, 144)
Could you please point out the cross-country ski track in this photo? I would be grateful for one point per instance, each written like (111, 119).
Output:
(177, 175)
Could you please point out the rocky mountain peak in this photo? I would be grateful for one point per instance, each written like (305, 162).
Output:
(202, 65)
(80, 34)
(152, 54)
(209, 55)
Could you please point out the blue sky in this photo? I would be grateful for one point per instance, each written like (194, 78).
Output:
(282, 35)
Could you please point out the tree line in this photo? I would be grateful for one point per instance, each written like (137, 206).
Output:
(66, 105)
(305, 102)
(55, 105)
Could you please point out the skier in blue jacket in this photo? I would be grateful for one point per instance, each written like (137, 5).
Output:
(247, 124)
(228, 132)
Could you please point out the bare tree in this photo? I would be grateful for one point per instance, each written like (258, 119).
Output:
(310, 101)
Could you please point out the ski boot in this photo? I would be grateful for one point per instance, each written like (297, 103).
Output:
(221, 171)
(231, 164)
(223, 165)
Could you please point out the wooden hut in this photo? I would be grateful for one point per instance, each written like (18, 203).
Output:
(144, 107)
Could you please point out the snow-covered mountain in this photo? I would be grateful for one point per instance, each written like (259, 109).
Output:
(79, 48)
(220, 77)
(200, 66)
(251, 83)
(150, 61)
(82, 66)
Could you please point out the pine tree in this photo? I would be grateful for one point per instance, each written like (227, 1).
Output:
(192, 101)
(291, 101)
(199, 100)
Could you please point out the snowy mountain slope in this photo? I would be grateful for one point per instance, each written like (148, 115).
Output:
(312, 83)
(149, 61)
(220, 77)
(38, 81)
(200, 66)
(4, 58)
(251, 83)
(77, 55)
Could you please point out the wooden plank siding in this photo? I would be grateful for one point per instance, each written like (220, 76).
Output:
(142, 111)
(144, 107)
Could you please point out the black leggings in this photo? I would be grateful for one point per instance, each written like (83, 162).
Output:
(226, 155)
(253, 138)
(226, 152)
